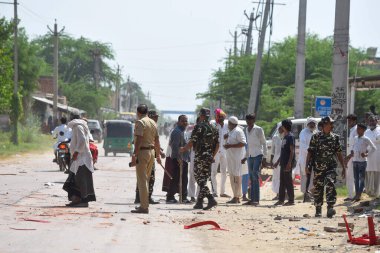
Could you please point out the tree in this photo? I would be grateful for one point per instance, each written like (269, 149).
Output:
(6, 66)
(232, 84)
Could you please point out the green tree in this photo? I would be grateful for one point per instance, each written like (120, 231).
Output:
(6, 66)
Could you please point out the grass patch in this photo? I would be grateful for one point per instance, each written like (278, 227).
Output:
(342, 191)
(40, 142)
(30, 140)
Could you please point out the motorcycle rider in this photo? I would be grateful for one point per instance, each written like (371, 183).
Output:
(62, 133)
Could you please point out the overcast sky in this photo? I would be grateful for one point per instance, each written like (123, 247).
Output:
(171, 47)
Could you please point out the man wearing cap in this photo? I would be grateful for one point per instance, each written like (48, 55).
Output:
(372, 178)
(325, 146)
(154, 116)
(352, 124)
(235, 147)
(146, 144)
(220, 158)
(205, 140)
(305, 136)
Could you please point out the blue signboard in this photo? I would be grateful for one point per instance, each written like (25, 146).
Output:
(322, 106)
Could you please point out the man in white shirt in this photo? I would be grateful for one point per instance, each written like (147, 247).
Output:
(359, 153)
(79, 185)
(61, 133)
(352, 121)
(235, 145)
(276, 152)
(255, 155)
(372, 179)
(305, 137)
(220, 158)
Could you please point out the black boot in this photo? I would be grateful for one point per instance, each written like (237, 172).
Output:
(211, 203)
(330, 211)
(199, 204)
(137, 198)
(318, 211)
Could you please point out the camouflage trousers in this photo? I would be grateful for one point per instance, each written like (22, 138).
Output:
(152, 179)
(324, 178)
(202, 173)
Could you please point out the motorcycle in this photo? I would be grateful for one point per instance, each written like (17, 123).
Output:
(63, 156)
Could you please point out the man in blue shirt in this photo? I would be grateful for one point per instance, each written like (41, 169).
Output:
(286, 161)
(177, 140)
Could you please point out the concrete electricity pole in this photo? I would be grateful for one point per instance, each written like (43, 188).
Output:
(15, 77)
(255, 89)
(300, 65)
(55, 74)
(340, 67)
(117, 89)
(96, 54)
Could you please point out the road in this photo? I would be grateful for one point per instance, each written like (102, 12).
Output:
(35, 219)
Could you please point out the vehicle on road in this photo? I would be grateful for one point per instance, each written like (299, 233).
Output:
(118, 137)
(95, 129)
(63, 156)
(297, 126)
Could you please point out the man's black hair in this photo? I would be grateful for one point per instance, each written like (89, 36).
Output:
(142, 108)
(250, 116)
(362, 126)
(63, 120)
(352, 116)
(287, 124)
(181, 116)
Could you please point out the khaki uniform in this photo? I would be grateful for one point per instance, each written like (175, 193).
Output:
(147, 129)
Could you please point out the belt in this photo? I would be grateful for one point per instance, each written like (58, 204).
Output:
(147, 148)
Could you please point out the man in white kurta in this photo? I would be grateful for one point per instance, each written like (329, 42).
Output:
(234, 146)
(79, 184)
(220, 157)
(305, 137)
(276, 152)
(372, 179)
(350, 181)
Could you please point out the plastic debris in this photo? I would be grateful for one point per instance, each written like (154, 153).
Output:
(202, 223)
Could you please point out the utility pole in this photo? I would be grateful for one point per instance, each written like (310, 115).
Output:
(235, 44)
(300, 65)
(55, 74)
(255, 89)
(248, 46)
(340, 68)
(117, 89)
(96, 54)
(15, 78)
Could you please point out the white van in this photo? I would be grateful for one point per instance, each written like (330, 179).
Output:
(297, 126)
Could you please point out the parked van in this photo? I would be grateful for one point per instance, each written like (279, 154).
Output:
(297, 126)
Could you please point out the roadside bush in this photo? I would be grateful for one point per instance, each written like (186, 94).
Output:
(30, 131)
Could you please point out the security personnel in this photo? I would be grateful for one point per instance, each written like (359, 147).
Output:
(154, 116)
(324, 146)
(205, 139)
(146, 144)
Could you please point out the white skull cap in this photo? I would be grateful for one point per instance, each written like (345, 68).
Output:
(233, 120)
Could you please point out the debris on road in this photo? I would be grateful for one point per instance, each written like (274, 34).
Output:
(33, 220)
(24, 229)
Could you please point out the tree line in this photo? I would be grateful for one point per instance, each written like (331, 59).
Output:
(230, 85)
(76, 71)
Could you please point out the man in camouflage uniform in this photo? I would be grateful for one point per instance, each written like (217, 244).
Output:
(324, 147)
(205, 139)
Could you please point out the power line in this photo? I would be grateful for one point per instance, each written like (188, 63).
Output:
(171, 47)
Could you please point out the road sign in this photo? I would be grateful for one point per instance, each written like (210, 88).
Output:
(322, 106)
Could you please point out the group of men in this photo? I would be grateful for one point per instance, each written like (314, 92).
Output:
(228, 147)
(222, 145)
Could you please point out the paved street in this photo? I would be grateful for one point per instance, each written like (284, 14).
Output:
(35, 219)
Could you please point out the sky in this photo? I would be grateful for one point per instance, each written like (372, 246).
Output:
(172, 47)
